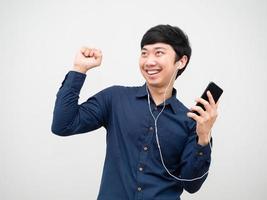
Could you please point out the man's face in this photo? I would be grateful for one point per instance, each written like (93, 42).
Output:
(157, 64)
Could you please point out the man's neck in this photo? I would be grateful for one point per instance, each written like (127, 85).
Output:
(158, 94)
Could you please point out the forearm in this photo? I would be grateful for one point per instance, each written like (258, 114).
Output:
(66, 105)
(196, 163)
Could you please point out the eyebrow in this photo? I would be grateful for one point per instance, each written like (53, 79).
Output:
(154, 48)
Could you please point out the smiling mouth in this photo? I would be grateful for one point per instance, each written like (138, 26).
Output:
(153, 72)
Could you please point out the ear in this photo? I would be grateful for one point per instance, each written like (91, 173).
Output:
(180, 64)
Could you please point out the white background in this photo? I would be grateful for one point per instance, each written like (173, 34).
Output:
(38, 41)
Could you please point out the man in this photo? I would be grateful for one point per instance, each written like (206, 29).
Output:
(156, 147)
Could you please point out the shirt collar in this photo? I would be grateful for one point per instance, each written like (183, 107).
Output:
(141, 91)
(172, 101)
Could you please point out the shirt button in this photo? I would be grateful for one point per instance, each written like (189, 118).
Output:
(200, 153)
(139, 189)
(141, 169)
(151, 128)
(145, 148)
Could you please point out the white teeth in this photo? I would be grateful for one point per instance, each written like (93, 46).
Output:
(151, 72)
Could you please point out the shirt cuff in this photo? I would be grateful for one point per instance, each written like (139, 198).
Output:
(74, 80)
(203, 151)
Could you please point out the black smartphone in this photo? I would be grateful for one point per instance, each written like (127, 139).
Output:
(215, 91)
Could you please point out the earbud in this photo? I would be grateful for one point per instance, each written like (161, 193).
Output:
(179, 64)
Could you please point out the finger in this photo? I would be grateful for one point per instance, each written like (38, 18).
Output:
(194, 116)
(217, 104)
(83, 49)
(92, 52)
(199, 110)
(87, 52)
(204, 103)
(98, 53)
(211, 99)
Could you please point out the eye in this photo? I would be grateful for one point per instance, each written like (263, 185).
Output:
(159, 53)
(143, 53)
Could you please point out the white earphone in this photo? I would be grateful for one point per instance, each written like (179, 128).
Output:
(157, 137)
(179, 64)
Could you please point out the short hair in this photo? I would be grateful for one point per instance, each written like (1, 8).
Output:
(171, 35)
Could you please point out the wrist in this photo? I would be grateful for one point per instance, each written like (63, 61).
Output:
(203, 140)
(80, 69)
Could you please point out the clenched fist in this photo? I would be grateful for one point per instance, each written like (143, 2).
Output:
(87, 58)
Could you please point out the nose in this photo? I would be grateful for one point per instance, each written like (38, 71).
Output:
(150, 61)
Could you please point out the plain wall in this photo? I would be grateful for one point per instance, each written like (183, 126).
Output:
(38, 42)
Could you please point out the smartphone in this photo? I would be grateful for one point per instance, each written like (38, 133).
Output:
(215, 91)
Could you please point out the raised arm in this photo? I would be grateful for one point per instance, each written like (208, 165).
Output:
(70, 118)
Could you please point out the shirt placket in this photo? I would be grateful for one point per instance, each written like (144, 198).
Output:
(144, 152)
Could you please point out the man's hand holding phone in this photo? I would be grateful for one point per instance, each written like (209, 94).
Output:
(205, 112)
(205, 119)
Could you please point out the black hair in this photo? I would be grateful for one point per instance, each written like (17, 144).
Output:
(171, 35)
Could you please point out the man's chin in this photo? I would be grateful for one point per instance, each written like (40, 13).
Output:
(154, 83)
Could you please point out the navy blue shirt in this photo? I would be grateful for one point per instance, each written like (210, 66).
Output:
(133, 168)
